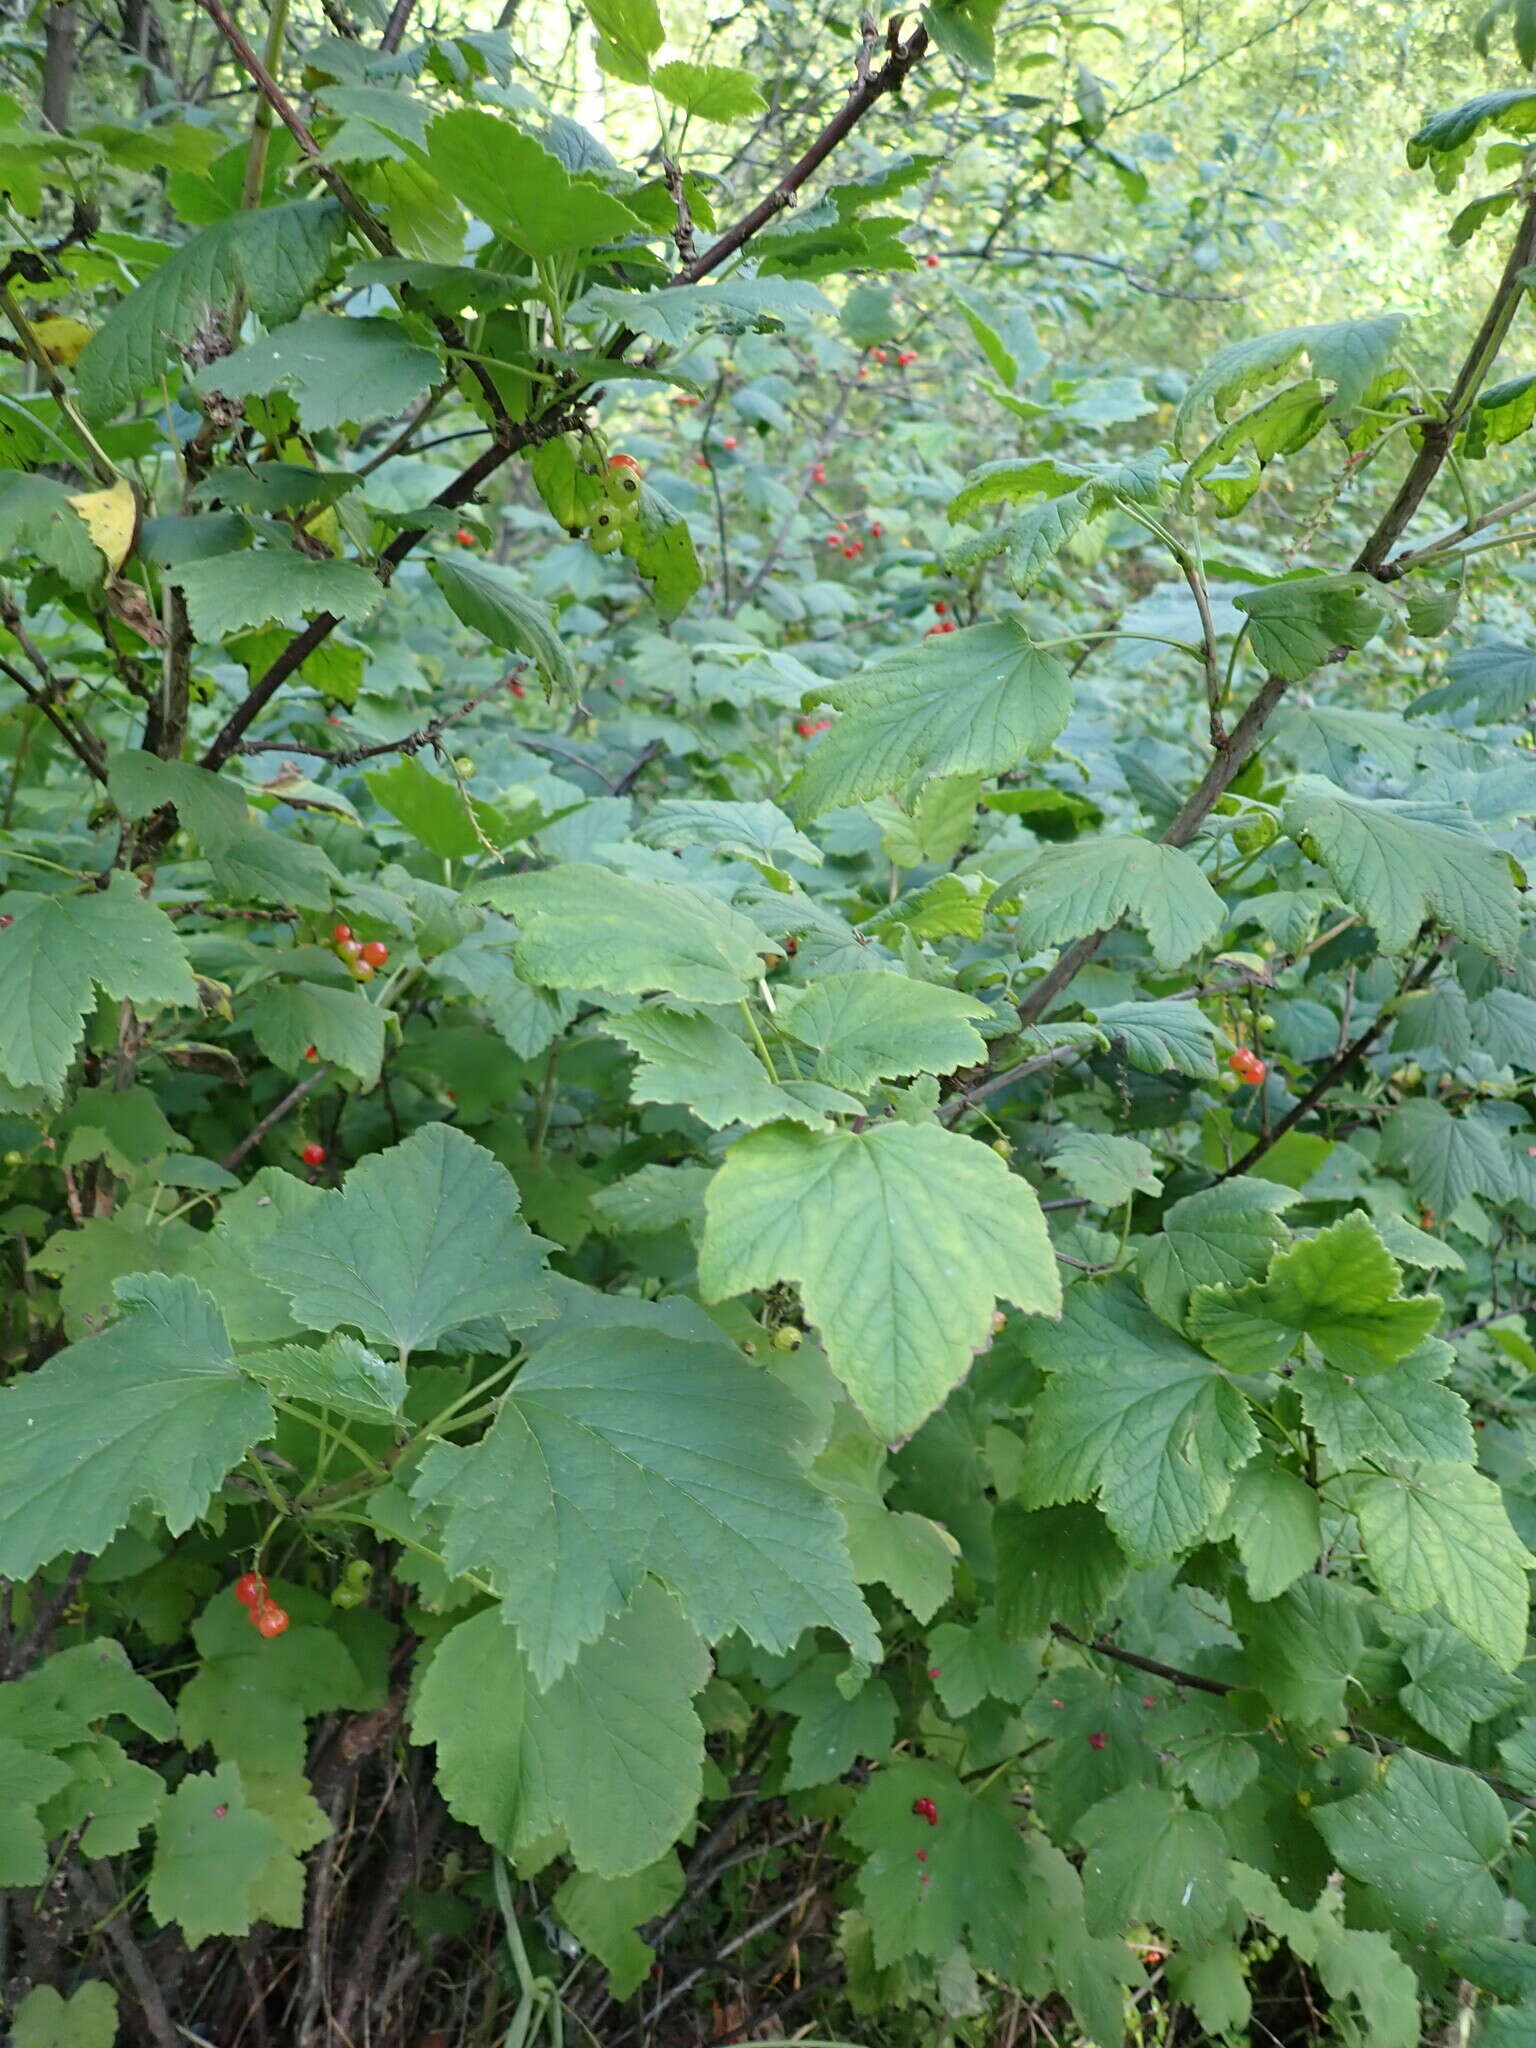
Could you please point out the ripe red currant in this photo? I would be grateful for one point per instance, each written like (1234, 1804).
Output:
(313, 1155)
(270, 1619)
(251, 1589)
(926, 1810)
(375, 953)
(340, 933)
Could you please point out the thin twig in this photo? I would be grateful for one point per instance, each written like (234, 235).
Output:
(1355, 1050)
(275, 1115)
(35, 1641)
(112, 1924)
(347, 757)
(82, 744)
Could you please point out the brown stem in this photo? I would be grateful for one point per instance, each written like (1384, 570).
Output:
(58, 64)
(83, 744)
(395, 27)
(135, 1966)
(1345, 1060)
(1362, 1738)
(274, 1116)
(303, 645)
(35, 1641)
(870, 87)
(424, 736)
(362, 217)
(1439, 434)
(1229, 759)
(512, 439)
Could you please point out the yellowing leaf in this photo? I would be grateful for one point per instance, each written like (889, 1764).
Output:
(61, 338)
(111, 518)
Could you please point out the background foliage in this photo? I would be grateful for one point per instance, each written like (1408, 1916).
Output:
(766, 1208)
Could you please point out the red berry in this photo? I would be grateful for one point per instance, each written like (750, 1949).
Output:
(876, 530)
(926, 1810)
(516, 690)
(1238, 1061)
(729, 441)
(270, 1620)
(313, 1155)
(878, 354)
(933, 1670)
(949, 626)
(791, 947)
(332, 719)
(922, 1855)
(375, 953)
(6, 923)
(1098, 1740)
(622, 461)
(1149, 1699)
(251, 1590)
(341, 933)
(464, 537)
(908, 355)
(809, 727)
(932, 262)
(311, 1052)
(819, 474)
(1256, 1070)
(849, 553)
(701, 461)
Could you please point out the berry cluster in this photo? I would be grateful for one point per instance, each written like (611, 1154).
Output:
(850, 544)
(926, 1810)
(362, 957)
(809, 727)
(1247, 1066)
(267, 1618)
(946, 624)
(903, 359)
(621, 501)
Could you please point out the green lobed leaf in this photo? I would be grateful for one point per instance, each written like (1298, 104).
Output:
(611, 1755)
(213, 1856)
(55, 949)
(1341, 1290)
(153, 1410)
(875, 1026)
(491, 601)
(276, 255)
(1219, 1237)
(1349, 354)
(520, 188)
(1136, 1418)
(1424, 1839)
(1150, 1859)
(1398, 863)
(1056, 1564)
(974, 702)
(634, 1452)
(699, 1061)
(901, 1237)
(1439, 1536)
(86, 2019)
(585, 927)
(337, 372)
(1069, 891)
(417, 1240)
